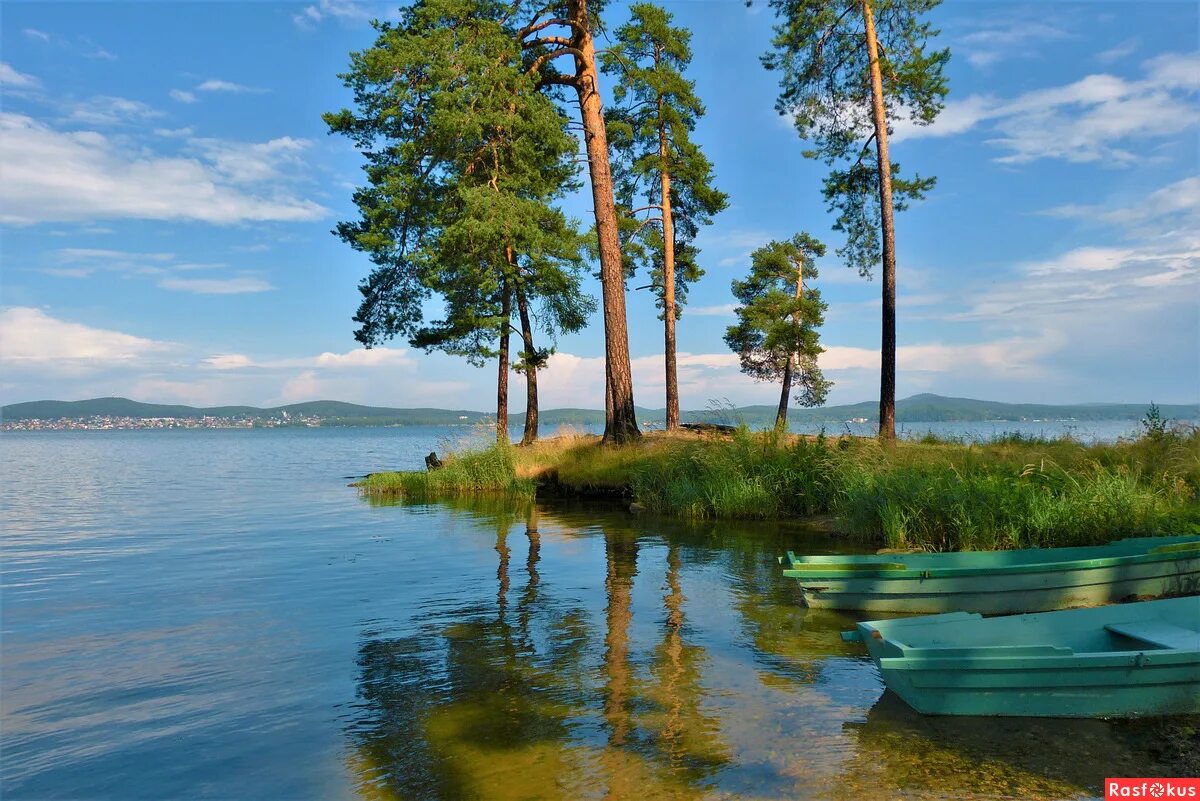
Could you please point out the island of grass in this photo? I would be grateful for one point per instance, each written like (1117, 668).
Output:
(931, 494)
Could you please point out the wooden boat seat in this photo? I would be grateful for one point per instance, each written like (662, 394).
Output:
(1158, 633)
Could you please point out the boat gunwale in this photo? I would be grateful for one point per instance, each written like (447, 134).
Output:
(836, 570)
(914, 660)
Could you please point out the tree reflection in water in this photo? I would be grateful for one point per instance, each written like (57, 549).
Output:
(635, 659)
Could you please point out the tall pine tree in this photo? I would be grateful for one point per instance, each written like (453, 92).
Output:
(851, 68)
(659, 169)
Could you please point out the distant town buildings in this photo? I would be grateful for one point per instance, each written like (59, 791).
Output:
(108, 423)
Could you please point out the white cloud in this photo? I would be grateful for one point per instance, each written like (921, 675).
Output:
(30, 337)
(215, 85)
(12, 78)
(182, 96)
(1092, 119)
(217, 286)
(52, 175)
(34, 33)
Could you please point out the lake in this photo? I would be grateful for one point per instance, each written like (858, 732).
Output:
(215, 614)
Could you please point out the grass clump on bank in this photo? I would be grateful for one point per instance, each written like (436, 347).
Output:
(931, 494)
(490, 471)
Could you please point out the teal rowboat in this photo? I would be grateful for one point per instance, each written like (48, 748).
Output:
(1000, 582)
(1122, 660)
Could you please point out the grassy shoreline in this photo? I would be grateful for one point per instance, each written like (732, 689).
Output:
(933, 494)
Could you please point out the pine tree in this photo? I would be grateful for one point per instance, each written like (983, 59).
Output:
(465, 159)
(658, 168)
(851, 68)
(776, 335)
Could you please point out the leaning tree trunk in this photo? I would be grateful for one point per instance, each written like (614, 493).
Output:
(502, 378)
(668, 224)
(887, 373)
(621, 423)
(784, 395)
(781, 415)
(530, 361)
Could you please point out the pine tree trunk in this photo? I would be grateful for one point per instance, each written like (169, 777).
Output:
(887, 373)
(621, 424)
(784, 397)
(502, 378)
(531, 389)
(668, 224)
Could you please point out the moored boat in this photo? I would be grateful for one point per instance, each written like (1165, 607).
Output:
(1123, 660)
(1000, 582)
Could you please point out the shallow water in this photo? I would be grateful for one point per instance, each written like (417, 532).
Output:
(216, 614)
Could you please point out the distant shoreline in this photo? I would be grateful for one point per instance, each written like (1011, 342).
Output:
(918, 410)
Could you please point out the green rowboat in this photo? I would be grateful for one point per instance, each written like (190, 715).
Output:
(1122, 660)
(1000, 582)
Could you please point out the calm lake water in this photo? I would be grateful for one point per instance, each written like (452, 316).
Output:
(215, 614)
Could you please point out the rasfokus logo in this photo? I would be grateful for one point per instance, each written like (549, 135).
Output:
(1151, 788)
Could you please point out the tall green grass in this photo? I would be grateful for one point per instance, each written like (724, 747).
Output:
(934, 494)
(490, 471)
(750, 475)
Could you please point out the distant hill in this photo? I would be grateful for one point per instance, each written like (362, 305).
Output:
(923, 408)
(927, 408)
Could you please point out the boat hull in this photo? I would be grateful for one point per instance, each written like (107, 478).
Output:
(1004, 593)
(1128, 685)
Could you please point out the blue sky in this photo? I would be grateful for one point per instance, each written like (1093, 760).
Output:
(167, 189)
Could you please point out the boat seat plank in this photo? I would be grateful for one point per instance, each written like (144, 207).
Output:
(1158, 632)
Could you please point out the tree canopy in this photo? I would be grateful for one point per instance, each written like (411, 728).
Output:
(465, 158)
(776, 336)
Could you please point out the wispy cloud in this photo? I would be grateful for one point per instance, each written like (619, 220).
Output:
(1119, 51)
(34, 33)
(216, 85)
(93, 50)
(722, 310)
(1096, 118)
(343, 10)
(182, 96)
(106, 110)
(52, 175)
(251, 162)
(217, 286)
(1156, 266)
(1017, 36)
